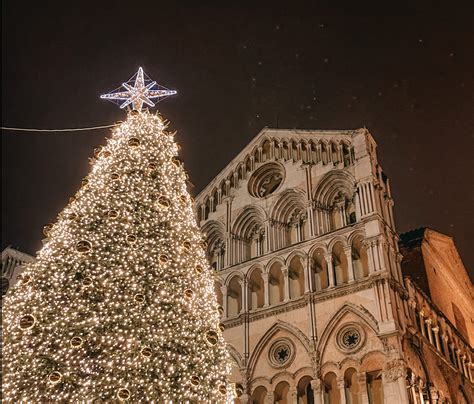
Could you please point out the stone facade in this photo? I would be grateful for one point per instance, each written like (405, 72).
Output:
(12, 261)
(300, 230)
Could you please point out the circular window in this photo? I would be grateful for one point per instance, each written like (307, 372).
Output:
(281, 353)
(350, 338)
(266, 180)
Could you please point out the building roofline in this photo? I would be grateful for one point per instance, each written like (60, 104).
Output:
(276, 132)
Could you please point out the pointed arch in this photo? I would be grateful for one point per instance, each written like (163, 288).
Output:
(236, 356)
(358, 311)
(276, 327)
(214, 232)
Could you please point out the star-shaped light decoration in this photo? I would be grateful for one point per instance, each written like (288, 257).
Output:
(141, 92)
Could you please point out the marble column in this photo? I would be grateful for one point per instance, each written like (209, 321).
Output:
(316, 385)
(328, 258)
(286, 286)
(364, 395)
(224, 299)
(266, 288)
(436, 337)
(350, 266)
(341, 385)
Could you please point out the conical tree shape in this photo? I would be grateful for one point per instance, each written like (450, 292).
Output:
(119, 304)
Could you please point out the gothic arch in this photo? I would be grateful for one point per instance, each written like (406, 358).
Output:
(236, 356)
(256, 266)
(262, 343)
(366, 318)
(336, 240)
(316, 246)
(260, 382)
(283, 376)
(250, 216)
(232, 275)
(296, 253)
(274, 260)
(333, 183)
(214, 232)
(289, 201)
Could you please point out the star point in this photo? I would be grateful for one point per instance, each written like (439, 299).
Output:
(138, 94)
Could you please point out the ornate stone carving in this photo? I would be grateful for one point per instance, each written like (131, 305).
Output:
(394, 370)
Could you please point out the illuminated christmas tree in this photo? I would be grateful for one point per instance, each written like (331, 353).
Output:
(119, 304)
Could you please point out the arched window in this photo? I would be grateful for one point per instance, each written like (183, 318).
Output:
(341, 267)
(296, 277)
(282, 395)
(374, 387)
(360, 260)
(234, 297)
(319, 270)
(352, 389)
(305, 392)
(259, 395)
(331, 392)
(257, 289)
(276, 283)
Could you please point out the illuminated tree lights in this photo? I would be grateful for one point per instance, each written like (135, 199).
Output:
(119, 305)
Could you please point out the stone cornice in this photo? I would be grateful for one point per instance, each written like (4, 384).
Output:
(315, 297)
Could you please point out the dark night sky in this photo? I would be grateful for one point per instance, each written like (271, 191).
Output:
(406, 74)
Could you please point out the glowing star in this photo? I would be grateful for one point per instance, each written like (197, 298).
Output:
(139, 94)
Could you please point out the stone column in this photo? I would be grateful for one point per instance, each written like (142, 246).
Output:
(244, 285)
(266, 288)
(341, 385)
(328, 258)
(286, 288)
(203, 212)
(422, 322)
(464, 368)
(428, 328)
(306, 273)
(458, 357)
(317, 391)
(224, 299)
(436, 337)
(350, 267)
(364, 395)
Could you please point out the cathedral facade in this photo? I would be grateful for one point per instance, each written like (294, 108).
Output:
(316, 308)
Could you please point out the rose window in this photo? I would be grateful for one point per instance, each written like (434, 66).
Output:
(281, 353)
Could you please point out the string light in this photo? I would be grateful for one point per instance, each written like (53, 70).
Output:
(120, 302)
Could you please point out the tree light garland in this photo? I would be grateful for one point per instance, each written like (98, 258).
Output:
(120, 303)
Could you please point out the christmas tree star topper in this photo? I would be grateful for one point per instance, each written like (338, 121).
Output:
(140, 93)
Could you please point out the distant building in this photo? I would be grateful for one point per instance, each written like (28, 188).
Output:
(12, 261)
(300, 230)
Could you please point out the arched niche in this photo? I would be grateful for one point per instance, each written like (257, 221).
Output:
(234, 297)
(259, 395)
(282, 393)
(352, 389)
(340, 264)
(360, 260)
(276, 283)
(319, 270)
(296, 277)
(305, 391)
(330, 390)
(256, 289)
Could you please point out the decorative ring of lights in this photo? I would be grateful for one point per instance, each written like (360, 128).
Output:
(350, 338)
(266, 180)
(281, 353)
